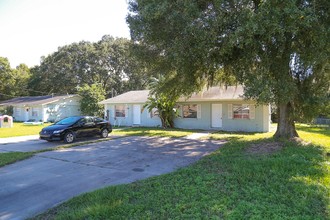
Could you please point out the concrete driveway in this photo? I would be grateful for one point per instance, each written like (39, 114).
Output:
(33, 143)
(32, 186)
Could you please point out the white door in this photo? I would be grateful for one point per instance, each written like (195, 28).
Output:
(136, 114)
(26, 116)
(216, 115)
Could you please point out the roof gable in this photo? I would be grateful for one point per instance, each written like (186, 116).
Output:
(137, 96)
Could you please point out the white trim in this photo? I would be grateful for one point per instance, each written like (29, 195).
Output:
(216, 115)
(136, 114)
(230, 111)
(199, 111)
(125, 111)
(252, 111)
(112, 113)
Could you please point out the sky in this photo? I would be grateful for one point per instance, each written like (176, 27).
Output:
(30, 29)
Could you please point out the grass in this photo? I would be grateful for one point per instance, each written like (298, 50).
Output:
(292, 182)
(12, 157)
(19, 129)
(145, 131)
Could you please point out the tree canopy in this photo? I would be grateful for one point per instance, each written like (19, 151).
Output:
(94, 70)
(279, 50)
(107, 63)
(91, 95)
(13, 81)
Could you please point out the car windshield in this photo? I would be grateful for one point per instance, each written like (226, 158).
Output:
(67, 121)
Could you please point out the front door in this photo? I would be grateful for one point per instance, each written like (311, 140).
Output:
(26, 114)
(136, 114)
(216, 115)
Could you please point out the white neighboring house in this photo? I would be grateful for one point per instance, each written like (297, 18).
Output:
(44, 108)
(218, 108)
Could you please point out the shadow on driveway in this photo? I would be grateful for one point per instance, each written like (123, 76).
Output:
(47, 179)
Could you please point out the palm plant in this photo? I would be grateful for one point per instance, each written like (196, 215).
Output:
(164, 102)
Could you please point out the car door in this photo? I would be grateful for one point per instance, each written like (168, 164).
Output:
(90, 128)
(81, 127)
(99, 123)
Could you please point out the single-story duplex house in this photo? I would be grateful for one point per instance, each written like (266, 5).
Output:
(218, 108)
(44, 108)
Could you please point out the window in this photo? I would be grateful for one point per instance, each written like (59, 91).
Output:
(98, 120)
(35, 112)
(241, 111)
(17, 112)
(89, 120)
(120, 111)
(154, 113)
(189, 111)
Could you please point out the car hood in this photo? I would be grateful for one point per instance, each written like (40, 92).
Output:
(55, 127)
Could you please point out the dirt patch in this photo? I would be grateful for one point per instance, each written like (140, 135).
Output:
(264, 148)
(299, 141)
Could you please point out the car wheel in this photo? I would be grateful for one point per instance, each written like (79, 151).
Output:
(104, 133)
(69, 137)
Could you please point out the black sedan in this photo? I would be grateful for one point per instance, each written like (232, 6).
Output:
(70, 128)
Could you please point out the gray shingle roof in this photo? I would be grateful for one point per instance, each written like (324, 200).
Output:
(211, 94)
(34, 100)
(137, 96)
(217, 93)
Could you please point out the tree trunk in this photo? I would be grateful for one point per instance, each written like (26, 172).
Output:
(163, 121)
(285, 126)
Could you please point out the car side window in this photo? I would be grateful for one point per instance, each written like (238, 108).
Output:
(89, 121)
(98, 120)
(82, 121)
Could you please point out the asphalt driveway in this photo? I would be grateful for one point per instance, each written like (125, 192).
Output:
(47, 179)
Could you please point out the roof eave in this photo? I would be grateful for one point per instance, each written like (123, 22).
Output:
(137, 102)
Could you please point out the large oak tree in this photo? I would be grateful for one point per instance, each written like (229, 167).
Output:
(278, 49)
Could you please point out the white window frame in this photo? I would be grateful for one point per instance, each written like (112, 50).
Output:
(241, 115)
(122, 110)
(35, 112)
(18, 112)
(198, 110)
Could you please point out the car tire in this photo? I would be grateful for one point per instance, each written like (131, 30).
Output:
(69, 137)
(104, 133)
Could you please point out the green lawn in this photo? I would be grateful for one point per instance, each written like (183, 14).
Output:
(251, 177)
(19, 129)
(12, 157)
(145, 131)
